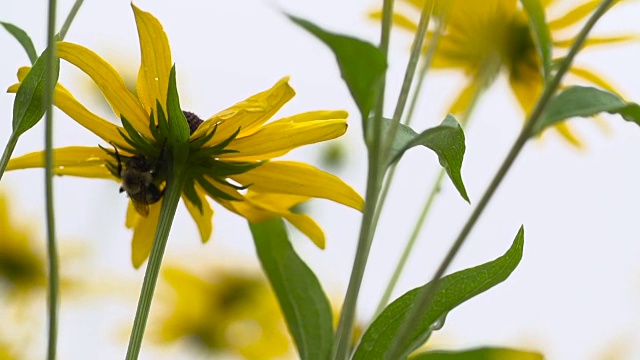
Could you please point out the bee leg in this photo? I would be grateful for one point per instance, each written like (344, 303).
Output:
(119, 165)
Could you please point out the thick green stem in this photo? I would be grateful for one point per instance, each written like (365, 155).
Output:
(425, 297)
(171, 198)
(52, 253)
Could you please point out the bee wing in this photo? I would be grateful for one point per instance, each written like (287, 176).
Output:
(141, 206)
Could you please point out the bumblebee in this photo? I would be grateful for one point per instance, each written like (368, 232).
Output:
(139, 180)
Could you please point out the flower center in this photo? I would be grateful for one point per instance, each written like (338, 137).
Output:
(193, 120)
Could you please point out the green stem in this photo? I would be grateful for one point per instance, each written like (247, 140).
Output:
(8, 150)
(342, 339)
(171, 198)
(425, 297)
(52, 253)
(70, 17)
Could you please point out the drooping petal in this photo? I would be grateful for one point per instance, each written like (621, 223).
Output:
(567, 133)
(143, 235)
(313, 116)
(122, 101)
(278, 139)
(153, 78)
(248, 115)
(73, 160)
(203, 219)
(596, 40)
(307, 226)
(464, 100)
(574, 15)
(289, 177)
(398, 20)
(593, 78)
(63, 99)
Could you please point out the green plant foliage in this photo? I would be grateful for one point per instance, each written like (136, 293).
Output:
(446, 140)
(23, 39)
(29, 105)
(303, 302)
(362, 65)
(582, 101)
(485, 353)
(178, 126)
(451, 291)
(541, 33)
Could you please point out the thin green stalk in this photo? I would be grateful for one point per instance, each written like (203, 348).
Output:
(482, 81)
(342, 339)
(8, 150)
(425, 297)
(171, 198)
(70, 17)
(52, 252)
(409, 75)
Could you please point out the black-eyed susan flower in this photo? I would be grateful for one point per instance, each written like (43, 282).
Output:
(226, 157)
(224, 312)
(484, 37)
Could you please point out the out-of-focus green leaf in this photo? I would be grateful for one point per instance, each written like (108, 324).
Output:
(23, 39)
(542, 36)
(362, 65)
(485, 353)
(446, 140)
(581, 101)
(29, 103)
(302, 300)
(451, 291)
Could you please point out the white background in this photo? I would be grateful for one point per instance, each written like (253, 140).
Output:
(575, 294)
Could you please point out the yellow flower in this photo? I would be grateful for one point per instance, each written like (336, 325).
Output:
(21, 267)
(486, 36)
(225, 312)
(228, 156)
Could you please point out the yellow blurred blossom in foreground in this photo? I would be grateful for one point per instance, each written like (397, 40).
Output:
(229, 155)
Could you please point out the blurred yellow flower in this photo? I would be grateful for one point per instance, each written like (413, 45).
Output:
(485, 37)
(222, 312)
(22, 268)
(229, 154)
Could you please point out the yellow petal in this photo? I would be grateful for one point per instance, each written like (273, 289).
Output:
(593, 78)
(566, 132)
(312, 116)
(464, 100)
(122, 101)
(398, 20)
(574, 15)
(278, 139)
(594, 41)
(143, 235)
(203, 219)
(307, 226)
(74, 160)
(247, 115)
(156, 63)
(132, 216)
(69, 105)
(526, 83)
(288, 177)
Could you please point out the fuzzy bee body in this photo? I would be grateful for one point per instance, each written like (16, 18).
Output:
(139, 181)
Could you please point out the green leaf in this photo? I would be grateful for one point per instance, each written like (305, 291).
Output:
(484, 353)
(302, 300)
(581, 101)
(451, 291)
(541, 33)
(362, 65)
(446, 140)
(29, 103)
(177, 122)
(23, 39)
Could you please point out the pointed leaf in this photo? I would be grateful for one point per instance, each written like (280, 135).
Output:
(485, 353)
(541, 33)
(582, 101)
(451, 291)
(178, 126)
(446, 140)
(29, 105)
(23, 39)
(362, 65)
(302, 300)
